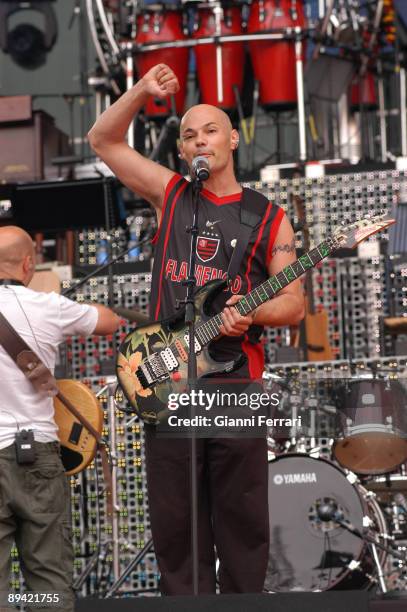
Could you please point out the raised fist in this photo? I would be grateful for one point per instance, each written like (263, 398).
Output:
(160, 81)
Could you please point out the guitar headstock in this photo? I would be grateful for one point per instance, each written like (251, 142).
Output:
(349, 236)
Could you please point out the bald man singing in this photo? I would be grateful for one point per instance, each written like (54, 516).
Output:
(232, 472)
(34, 496)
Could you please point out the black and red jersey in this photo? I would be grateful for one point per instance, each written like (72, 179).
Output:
(218, 222)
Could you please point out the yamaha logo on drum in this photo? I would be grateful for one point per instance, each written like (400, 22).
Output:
(305, 478)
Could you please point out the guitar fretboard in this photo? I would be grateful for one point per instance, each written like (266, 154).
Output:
(209, 330)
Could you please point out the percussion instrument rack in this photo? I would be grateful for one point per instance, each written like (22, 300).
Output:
(116, 38)
(298, 35)
(288, 34)
(359, 37)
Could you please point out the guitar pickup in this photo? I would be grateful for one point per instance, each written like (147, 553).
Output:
(75, 434)
(181, 351)
(169, 360)
(197, 345)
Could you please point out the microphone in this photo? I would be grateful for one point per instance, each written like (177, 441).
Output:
(200, 168)
(328, 511)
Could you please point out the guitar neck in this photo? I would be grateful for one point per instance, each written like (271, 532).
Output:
(267, 290)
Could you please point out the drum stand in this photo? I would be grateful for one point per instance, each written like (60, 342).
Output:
(380, 573)
(111, 545)
(329, 512)
(218, 14)
(374, 545)
(134, 562)
(299, 70)
(129, 568)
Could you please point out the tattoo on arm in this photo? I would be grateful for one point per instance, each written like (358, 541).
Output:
(284, 248)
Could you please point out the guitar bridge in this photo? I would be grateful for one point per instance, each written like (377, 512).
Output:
(142, 378)
(152, 371)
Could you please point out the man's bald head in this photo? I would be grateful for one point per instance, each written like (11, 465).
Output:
(207, 130)
(15, 244)
(207, 112)
(17, 253)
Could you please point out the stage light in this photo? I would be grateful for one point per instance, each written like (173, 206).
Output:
(26, 43)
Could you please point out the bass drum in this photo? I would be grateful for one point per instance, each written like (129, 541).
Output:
(307, 553)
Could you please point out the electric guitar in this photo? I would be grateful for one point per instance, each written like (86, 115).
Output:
(312, 333)
(78, 445)
(152, 360)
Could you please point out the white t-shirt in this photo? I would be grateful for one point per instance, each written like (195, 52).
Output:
(43, 320)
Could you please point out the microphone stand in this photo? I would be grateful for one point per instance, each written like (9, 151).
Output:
(369, 539)
(192, 378)
(374, 544)
(329, 512)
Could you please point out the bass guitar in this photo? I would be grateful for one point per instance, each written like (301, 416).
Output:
(152, 360)
(78, 444)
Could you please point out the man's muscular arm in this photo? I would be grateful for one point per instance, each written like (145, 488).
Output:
(107, 137)
(287, 308)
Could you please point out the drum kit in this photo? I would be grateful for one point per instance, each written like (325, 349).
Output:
(338, 485)
(218, 30)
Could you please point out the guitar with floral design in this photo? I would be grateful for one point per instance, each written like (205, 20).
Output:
(153, 360)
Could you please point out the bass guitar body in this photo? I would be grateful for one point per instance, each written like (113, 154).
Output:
(78, 445)
(140, 345)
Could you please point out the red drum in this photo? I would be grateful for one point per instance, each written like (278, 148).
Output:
(158, 23)
(232, 56)
(363, 93)
(274, 61)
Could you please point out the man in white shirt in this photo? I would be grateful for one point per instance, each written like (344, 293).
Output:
(34, 498)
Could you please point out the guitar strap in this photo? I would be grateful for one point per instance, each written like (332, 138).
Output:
(253, 206)
(43, 380)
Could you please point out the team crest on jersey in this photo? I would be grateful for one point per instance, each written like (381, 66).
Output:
(206, 248)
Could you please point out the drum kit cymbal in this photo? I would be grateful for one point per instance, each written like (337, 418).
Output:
(338, 485)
